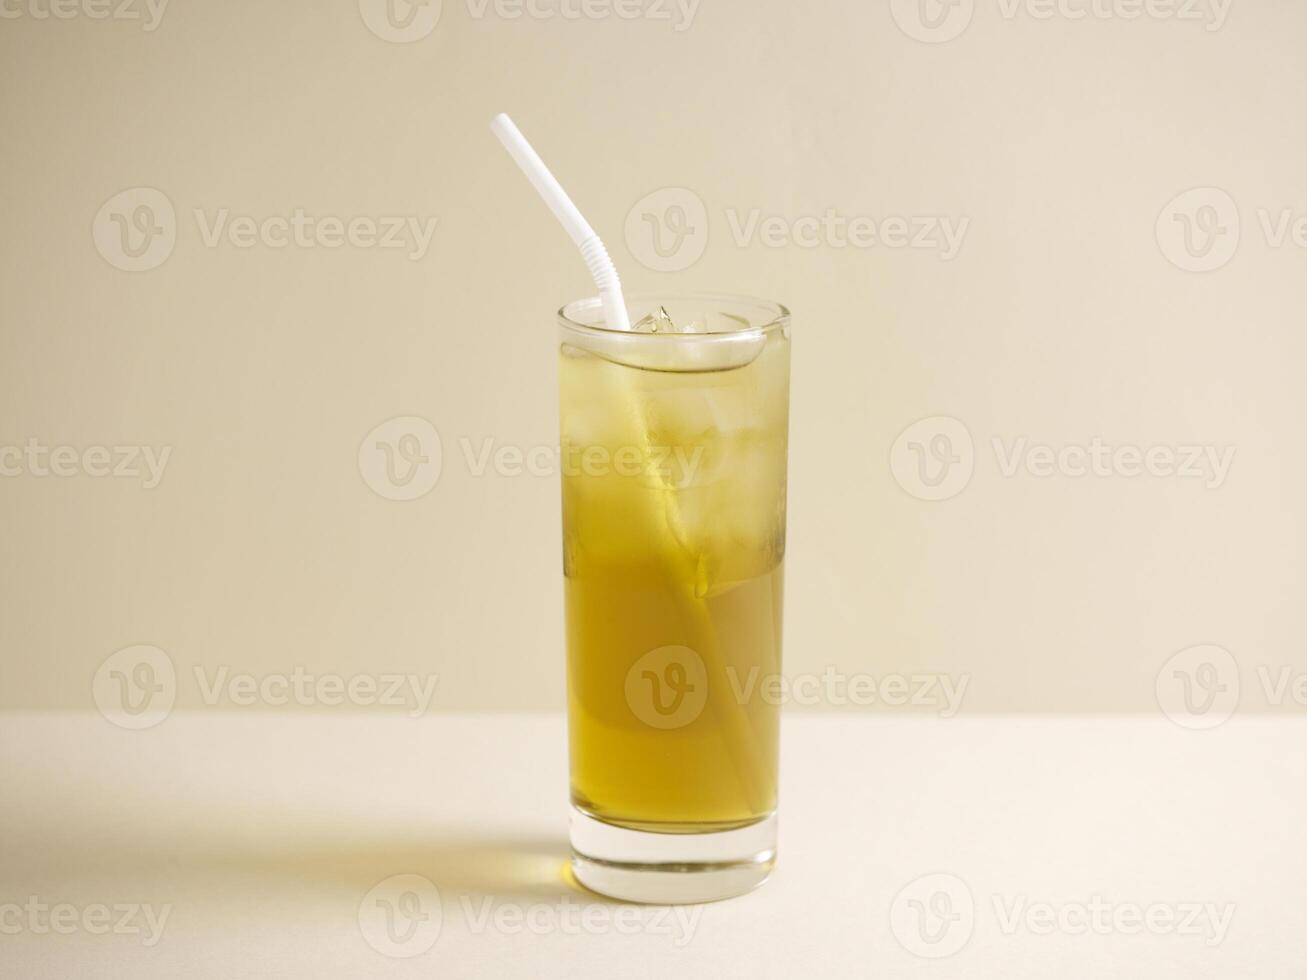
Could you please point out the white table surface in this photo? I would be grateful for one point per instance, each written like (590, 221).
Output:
(262, 836)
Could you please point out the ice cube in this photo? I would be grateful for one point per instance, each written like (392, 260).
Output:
(660, 321)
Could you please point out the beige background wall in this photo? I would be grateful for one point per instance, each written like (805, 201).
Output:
(1053, 145)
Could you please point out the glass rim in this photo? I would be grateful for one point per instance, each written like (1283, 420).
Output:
(777, 315)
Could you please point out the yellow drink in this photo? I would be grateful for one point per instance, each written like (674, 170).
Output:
(674, 477)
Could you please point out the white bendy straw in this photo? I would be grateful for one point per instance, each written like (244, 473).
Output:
(592, 249)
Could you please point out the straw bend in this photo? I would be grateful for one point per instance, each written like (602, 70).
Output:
(569, 216)
(605, 277)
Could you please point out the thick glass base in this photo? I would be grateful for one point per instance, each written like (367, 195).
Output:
(671, 869)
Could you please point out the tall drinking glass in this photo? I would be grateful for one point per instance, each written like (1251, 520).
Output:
(674, 441)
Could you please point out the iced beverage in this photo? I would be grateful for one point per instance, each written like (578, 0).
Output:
(674, 444)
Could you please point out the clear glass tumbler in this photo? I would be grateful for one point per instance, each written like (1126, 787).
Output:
(674, 445)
